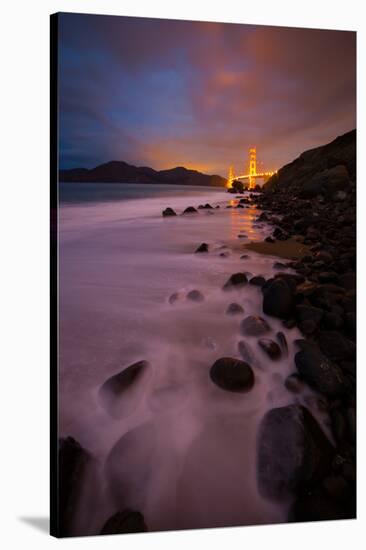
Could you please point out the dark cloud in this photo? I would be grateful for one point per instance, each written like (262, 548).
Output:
(166, 93)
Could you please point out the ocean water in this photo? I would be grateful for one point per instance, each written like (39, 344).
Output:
(181, 450)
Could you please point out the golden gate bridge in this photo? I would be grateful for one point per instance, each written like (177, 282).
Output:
(253, 175)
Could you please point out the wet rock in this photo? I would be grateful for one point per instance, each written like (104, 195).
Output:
(244, 257)
(234, 309)
(245, 351)
(308, 318)
(169, 212)
(254, 326)
(278, 299)
(289, 323)
(127, 521)
(258, 280)
(120, 394)
(271, 348)
(319, 372)
(73, 462)
(190, 210)
(294, 384)
(316, 507)
(236, 280)
(336, 346)
(195, 296)
(232, 374)
(269, 240)
(173, 298)
(202, 248)
(292, 451)
(281, 338)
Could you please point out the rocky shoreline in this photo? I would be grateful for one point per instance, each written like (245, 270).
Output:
(311, 205)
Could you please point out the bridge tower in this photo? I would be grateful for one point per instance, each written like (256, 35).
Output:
(252, 166)
(230, 177)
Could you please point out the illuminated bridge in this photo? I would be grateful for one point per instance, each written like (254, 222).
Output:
(253, 175)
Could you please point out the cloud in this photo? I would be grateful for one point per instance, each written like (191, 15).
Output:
(168, 93)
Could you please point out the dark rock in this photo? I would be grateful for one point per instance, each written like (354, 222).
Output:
(127, 521)
(292, 451)
(294, 383)
(190, 210)
(232, 374)
(316, 507)
(258, 280)
(269, 240)
(270, 348)
(234, 309)
(336, 346)
(245, 351)
(308, 318)
(202, 248)
(73, 462)
(195, 296)
(236, 280)
(113, 393)
(339, 425)
(328, 277)
(289, 323)
(254, 326)
(319, 372)
(169, 212)
(173, 298)
(279, 265)
(244, 257)
(348, 280)
(336, 487)
(281, 338)
(278, 299)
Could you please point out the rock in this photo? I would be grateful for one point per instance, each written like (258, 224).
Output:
(245, 351)
(169, 212)
(258, 280)
(308, 318)
(336, 487)
(254, 326)
(269, 240)
(319, 372)
(232, 374)
(236, 280)
(281, 338)
(190, 210)
(294, 383)
(270, 348)
(328, 277)
(292, 451)
(339, 425)
(173, 298)
(195, 296)
(120, 394)
(348, 280)
(244, 257)
(127, 521)
(316, 507)
(234, 309)
(202, 248)
(278, 299)
(336, 346)
(73, 460)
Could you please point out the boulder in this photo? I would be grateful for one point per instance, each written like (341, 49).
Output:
(73, 460)
(127, 521)
(281, 338)
(232, 374)
(271, 348)
(278, 299)
(236, 280)
(308, 318)
(254, 326)
(190, 210)
(336, 346)
(195, 296)
(292, 451)
(234, 309)
(169, 212)
(202, 248)
(258, 280)
(318, 371)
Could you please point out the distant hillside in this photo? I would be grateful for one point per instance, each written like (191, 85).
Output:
(121, 172)
(315, 171)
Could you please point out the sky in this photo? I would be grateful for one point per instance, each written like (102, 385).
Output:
(166, 93)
